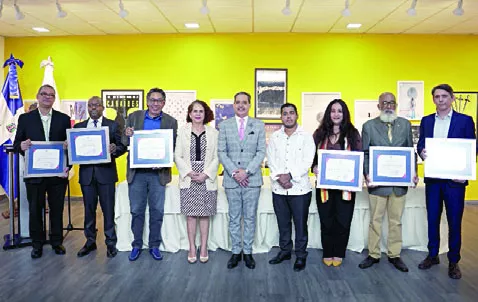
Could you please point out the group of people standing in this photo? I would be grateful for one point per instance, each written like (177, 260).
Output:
(240, 146)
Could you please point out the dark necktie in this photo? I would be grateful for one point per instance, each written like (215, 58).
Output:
(95, 122)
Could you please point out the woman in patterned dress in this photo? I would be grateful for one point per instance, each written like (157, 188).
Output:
(197, 162)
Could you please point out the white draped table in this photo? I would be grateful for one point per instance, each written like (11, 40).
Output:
(174, 234)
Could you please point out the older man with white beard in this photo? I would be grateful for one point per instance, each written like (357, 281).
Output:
(387, 130)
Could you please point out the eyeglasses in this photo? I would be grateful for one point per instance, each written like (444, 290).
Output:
(156, 100)
(52, 95)
(94, 105)
(389, 104)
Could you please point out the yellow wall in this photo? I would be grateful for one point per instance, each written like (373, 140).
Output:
(217, 66)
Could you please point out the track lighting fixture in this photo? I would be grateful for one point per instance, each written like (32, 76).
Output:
(204, 8)
(346, 12)
(458, 11)
(122, 13)
(18, 13)
(61, 12)
(412, 11)
(286, 10)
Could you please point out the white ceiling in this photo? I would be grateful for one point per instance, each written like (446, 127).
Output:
(100, 17)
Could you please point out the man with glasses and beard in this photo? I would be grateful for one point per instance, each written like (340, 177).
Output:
(386, 130)
(290, 153)
(148, 185)
(98, 182)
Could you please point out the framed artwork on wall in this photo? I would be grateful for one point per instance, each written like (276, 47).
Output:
(222, 109)
(466, 102)
(410, 99)
(119, 103)
(177, 102)
(313, 108)
(270, 92)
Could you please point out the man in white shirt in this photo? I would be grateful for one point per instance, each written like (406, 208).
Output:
(290, 153)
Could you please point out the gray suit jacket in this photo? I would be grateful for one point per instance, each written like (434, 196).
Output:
(246, 154)
(375, 133)
(136, 121)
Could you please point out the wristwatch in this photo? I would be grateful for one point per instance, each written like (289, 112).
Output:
(248, 172)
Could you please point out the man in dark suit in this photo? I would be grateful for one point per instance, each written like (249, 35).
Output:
(98, 181)
(148, 185)
(241, 150)
(387, 130)
(445, 123)
(44, 124)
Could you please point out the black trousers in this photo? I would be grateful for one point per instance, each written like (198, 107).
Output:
(106, 195)
(335, 218)
(55, 188)
(297, 208)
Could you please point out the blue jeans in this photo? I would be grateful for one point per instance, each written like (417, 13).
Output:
(146, 189)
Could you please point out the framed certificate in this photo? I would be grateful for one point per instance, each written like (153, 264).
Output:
(450, 158)
(392, 166)
(341, 170)
(151, 149)
(45, 159)
(88, 145)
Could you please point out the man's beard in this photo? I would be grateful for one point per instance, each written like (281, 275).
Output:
(388, 117)
(290, 126)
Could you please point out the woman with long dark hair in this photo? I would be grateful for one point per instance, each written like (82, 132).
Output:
(336, 207)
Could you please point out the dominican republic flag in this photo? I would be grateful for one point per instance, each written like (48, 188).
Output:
(11, 106)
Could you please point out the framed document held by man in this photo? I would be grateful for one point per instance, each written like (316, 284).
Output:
(88, 145)
(45, 159)
(340, 170)
(392, 166)
(450, 158)
(151, 149)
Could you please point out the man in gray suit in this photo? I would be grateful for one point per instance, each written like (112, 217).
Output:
(241, 150)
(387, 130)
(148, 185)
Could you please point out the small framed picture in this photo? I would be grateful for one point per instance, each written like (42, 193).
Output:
(120, 103)
(410, 99)
(222, 109)
(45, 159)
(88, 145)
(270, 92)
(392, 166)
(340, 170)
(151, 149)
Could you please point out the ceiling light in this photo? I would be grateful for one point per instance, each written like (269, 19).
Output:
(286, 11)
(1, 7)
(204, 9)
(122, 13)
(191, 25)
(61, 12)
(41, 29)
(412, 11)
(354, 25)
(346, 12)
(18, 13)
(458, 11)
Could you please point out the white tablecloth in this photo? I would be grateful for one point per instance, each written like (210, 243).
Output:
(174, 234)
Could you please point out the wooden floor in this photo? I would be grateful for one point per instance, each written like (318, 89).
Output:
(97, 278)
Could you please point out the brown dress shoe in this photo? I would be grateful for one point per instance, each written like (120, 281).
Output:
(454, 271)
(429, 262)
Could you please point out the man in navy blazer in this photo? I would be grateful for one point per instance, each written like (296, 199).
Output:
(44, 124)
(445, 123)
(98, 181)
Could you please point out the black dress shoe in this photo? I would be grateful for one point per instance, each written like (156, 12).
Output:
(454, 271)
(299, 264)
(398, 263)
(86, 249)
(368, 262)
(250, 263)
(280, 257)
(234, 261)
(37, 253)
(59, 249)
(111, 251)
(429, 262)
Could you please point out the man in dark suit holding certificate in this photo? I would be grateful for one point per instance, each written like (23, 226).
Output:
(148, 185)
(445, 123)
(44, 124)
(98, 181)
(387, 130)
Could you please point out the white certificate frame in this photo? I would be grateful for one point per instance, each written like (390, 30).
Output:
(135, 162)
(410, 172)
(434, 163)
(57, 172)
(104, 157)
(355, 184)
